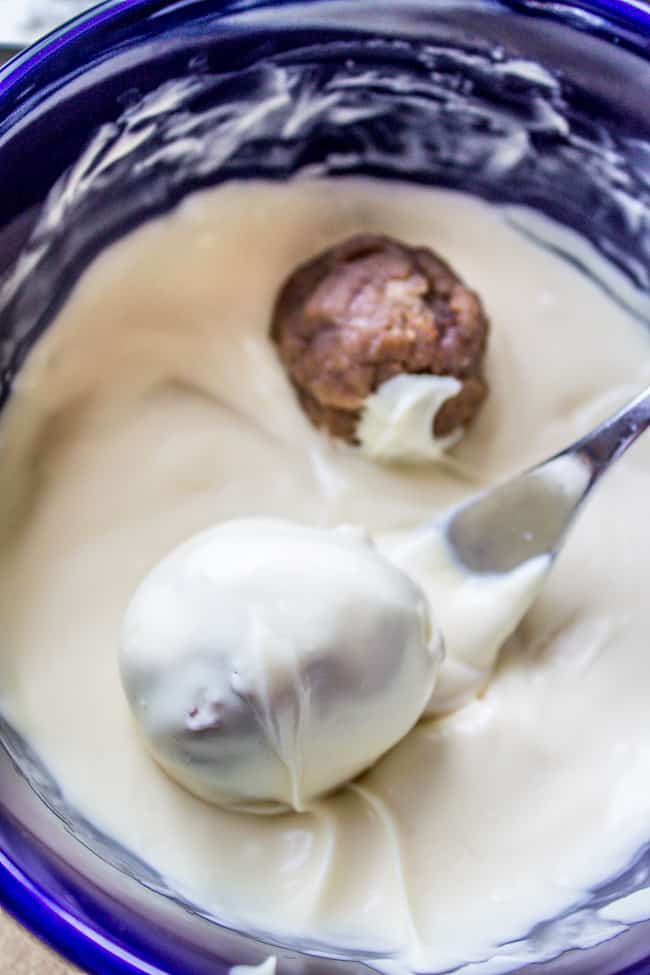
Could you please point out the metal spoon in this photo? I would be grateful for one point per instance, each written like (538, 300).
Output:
(530, 515)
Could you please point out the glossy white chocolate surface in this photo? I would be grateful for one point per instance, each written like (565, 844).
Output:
(155, 407)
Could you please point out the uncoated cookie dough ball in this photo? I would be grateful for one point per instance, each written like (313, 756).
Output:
(352, 320)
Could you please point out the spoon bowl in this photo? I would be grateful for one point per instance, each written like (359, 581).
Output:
(530, 515)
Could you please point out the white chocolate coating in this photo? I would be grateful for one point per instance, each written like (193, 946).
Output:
(268, 663)
(397, 420)
(156, 406)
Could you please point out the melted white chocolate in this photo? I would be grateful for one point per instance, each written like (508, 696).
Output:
(156, 407)
(397, 420)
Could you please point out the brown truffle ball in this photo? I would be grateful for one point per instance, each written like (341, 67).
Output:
(369, 309)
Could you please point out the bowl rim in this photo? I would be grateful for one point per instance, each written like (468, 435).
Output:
(633, 14)
(20, 896)
(48, 921)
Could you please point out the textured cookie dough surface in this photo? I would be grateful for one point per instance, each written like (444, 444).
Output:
(368, 310)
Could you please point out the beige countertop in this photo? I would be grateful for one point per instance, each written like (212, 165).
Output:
(22, 955)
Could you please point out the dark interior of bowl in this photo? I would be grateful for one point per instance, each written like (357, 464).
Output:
(123, 124)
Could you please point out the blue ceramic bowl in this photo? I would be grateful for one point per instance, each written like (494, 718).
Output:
(118, 115)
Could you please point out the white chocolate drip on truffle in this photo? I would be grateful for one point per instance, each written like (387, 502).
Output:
(397, 420)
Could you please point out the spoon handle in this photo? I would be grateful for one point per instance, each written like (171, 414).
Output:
(607, 442)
